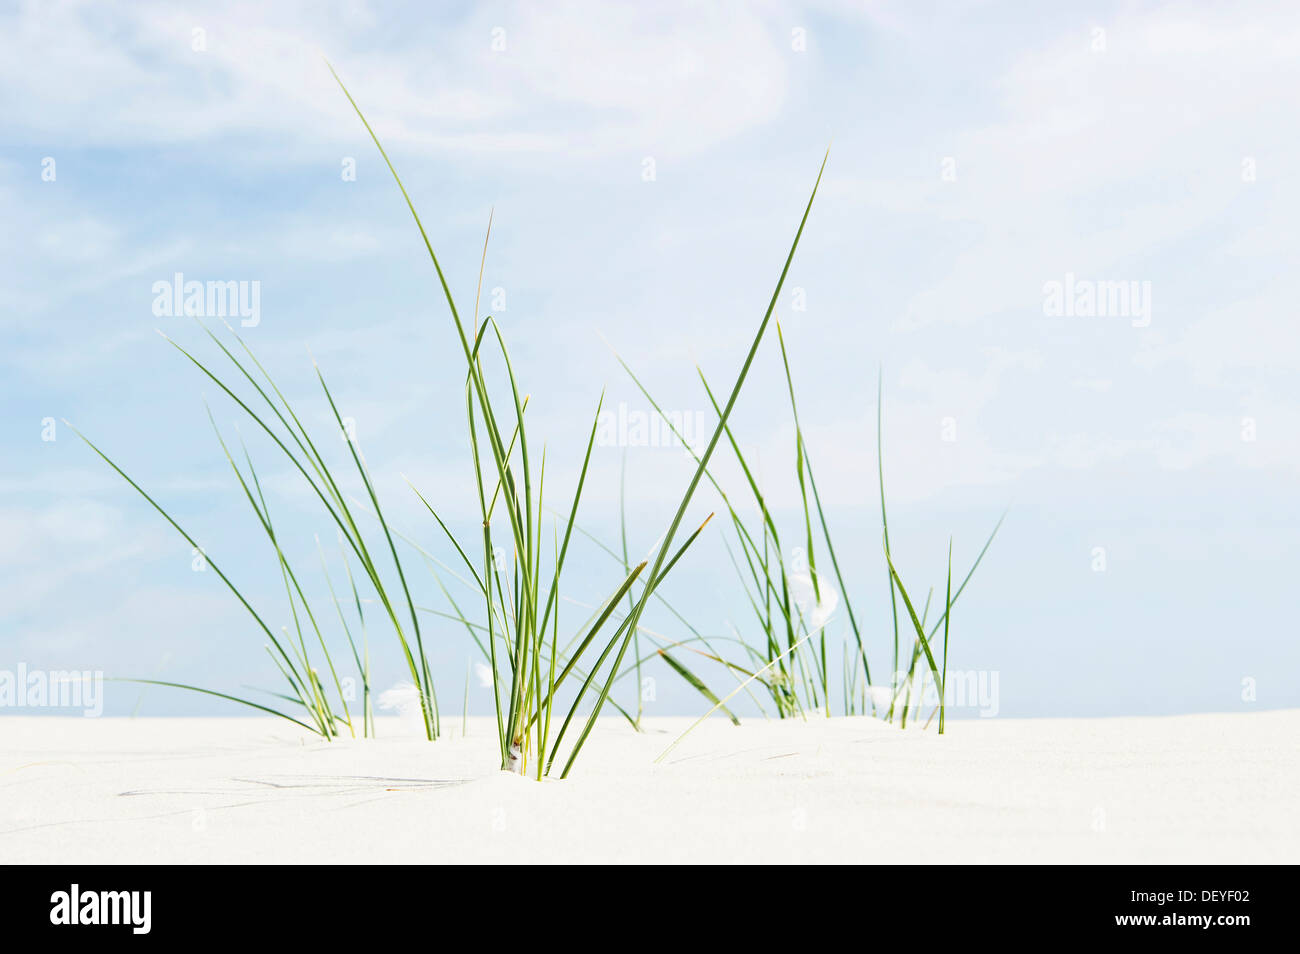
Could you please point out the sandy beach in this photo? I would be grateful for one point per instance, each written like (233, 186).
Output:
(1199, 788)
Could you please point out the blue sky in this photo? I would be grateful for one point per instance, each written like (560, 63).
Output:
(980, 151)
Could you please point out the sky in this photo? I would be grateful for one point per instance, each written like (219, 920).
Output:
(1060, 236)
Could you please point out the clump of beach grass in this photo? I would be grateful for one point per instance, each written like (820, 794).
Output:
(292, 652)
(792, 602)
(520, 599)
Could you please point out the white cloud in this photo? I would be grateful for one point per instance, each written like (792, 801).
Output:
(1078, 126)
(574, 79)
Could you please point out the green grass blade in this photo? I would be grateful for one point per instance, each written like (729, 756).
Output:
(947, 616)
(222, 695)
(699, 686)
(916, 623)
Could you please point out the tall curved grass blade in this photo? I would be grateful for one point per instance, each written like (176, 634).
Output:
(727, 697)
(422, 677)
(166, 516)
(947, 616)
(884, 522)
(699, 686)
(222, 695)
(916, 623)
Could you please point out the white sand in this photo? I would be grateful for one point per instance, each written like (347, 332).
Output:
(1203, 788)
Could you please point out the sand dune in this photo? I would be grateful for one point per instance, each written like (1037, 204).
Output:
(1201, 788)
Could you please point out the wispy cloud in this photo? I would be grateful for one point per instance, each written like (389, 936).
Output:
(508, 78)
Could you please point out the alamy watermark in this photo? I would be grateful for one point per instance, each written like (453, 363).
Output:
(177, 298)
(75, 906)
(969, 689)
(1088, 298)
(628, 427)
(24, 688)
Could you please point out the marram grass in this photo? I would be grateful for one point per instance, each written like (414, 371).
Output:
(318, 702)
(520, 599)
(791, 661)
(519, 596)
